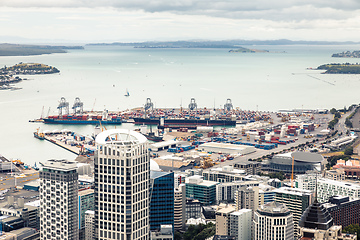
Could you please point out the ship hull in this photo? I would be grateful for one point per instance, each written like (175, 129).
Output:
(83, 122)
(185, 122)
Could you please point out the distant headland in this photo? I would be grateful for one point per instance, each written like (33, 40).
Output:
(247, 50)
(340, 68)
(28, 50)
(347, 54)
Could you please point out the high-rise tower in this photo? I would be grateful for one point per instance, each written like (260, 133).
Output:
(59, 200)
(122, 173)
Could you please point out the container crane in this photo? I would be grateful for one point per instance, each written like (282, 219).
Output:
(148, 104)
(228, 106)
(192, 105)
(63, 105)
(78, 106)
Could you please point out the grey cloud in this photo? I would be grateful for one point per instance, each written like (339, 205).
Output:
(289, 10)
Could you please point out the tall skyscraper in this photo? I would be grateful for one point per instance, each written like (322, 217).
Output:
(273, 221)
(59, 200)
(122, 174)
(179, 207)
(161, 199)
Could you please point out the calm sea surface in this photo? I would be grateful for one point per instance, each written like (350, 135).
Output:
(170, 77)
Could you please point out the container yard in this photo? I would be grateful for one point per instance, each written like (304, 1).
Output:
(71, 141)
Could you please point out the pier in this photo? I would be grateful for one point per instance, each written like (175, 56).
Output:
(71, 141)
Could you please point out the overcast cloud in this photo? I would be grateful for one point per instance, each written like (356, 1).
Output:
(183, 19)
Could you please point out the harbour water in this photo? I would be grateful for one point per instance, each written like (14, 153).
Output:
(100, 75)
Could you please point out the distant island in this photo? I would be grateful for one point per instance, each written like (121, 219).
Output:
(7, 74)
(230, 44)
(340, 68)
(27, 50)
(347, 54)
(247, 50)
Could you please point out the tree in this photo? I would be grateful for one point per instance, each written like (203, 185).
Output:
(352, 228)
(337, 115)
(333, 111)
(349, 150)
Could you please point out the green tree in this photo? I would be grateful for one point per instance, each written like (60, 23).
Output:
(333, 111)
(352, 228)
(349, 150)
(337, 115)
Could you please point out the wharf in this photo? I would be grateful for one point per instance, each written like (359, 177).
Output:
(71, 141)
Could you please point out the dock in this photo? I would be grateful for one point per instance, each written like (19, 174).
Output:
(71, 141)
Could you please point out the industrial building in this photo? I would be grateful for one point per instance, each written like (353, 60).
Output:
(303, 162)
(226, 148)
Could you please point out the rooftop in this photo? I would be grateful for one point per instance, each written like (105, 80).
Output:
(273, 208)
(293, 191)
(60, 164)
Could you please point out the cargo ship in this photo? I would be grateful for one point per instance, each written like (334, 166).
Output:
(83, 119)
(183, 122)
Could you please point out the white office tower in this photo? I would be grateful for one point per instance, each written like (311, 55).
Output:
(89, 225)
(240, 224)
(273, 221)
(122, 178)
(179, 207)
(59, 200)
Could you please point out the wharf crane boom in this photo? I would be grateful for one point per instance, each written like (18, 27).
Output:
(78, 106)
(192, 105)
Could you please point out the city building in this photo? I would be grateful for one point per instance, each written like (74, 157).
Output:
(245, 198)
(122, 179)
(202, 190)
(303, 162)
(343, 210)
(29, 214)
(226, 148)
(225, 192)
(161, 199)
(296, 200)
(223, 219)
(240, 224)
(335, 174)
(86, 202)
(193, 209)
(306, 181)
(316, 223)
(179, 207)
(349, 168)
(266, 194)
(327, 188)
(250, 167)
(89, 225)
(165, 233)
(179, 178)
(223, 174)
(273, 221)
(59, 200)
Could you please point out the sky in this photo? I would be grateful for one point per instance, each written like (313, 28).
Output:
(163, 20)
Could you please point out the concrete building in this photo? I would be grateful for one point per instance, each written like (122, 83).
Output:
(336, 174)
(250, 167)
(296, 200)
(89, 225)
(226, 148)
(161, 199)
(86, 202)
(180, 207)
(202, 190)
(240, 224)
(316, 223)
(179, 178)
(273, 221)
(193, 209)
(343, 210)
(225, 192)
(165, 233)
(303, 162)
(306, 181)
(266, 194)
(122, 179)
(222, 217)
(59, 200)
(245, 197)
(223, 174)
(328, 188)
(29, 214)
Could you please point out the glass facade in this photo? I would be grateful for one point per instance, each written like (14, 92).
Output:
(161, 199)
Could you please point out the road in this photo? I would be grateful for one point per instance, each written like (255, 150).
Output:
(8, 181)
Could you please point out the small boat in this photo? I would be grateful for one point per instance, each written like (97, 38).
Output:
(127, 93)
(39, 135)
